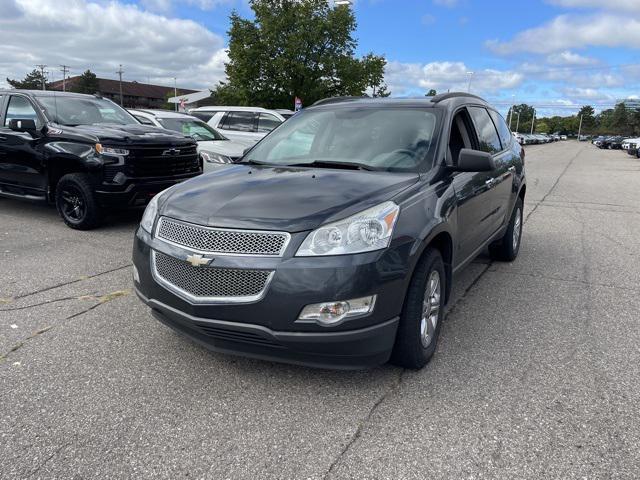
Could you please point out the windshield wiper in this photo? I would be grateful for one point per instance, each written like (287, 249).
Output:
(332, 164)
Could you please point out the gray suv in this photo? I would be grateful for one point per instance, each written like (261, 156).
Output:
(335, 241)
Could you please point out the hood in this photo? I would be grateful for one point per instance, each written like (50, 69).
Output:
(127, 134)
(279, 198)
(223, 147)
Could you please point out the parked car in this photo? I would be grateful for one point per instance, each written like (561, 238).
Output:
(597, 141)
(340, 251)
(85, 154)
(563, 137)
(631, 145)
(611, 143)
(213, 147)
(583, 138)
(244, 124)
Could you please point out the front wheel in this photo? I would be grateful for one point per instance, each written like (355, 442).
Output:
(76, 202)
(422, 314)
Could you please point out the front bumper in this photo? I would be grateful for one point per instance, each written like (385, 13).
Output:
(268, 328)
(135, 192)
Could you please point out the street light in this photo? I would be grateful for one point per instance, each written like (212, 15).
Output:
(470, 77)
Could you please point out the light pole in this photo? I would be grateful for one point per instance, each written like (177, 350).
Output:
(518, 123)
(175, 92)
(513, 103)
(42, 67)
(120, 72)
(64, 69)
(470, 77)
(533, 122)
(580, 128)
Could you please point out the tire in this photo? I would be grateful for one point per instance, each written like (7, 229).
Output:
(506, 249)
(76, 202)
(417, 337)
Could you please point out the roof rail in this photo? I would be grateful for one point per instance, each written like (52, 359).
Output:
(447, 96)
(330, 100)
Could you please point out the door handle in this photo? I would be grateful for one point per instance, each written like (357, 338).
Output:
(489, 182)
(512, 168)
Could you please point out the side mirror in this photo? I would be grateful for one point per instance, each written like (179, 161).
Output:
(474, 161)
(22, 125)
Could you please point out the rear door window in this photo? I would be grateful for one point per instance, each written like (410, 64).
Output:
(240, 121)
(267, 122)
(503, 130)
(488, 140)
(204, 116)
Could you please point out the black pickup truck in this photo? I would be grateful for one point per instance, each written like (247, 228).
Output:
(86, 154)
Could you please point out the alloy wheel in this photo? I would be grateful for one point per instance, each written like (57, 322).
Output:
(73, 205)
(517, 229)
(430, 309)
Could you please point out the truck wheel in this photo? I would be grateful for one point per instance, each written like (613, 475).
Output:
(506, 249)
(76, 202)
(422, 314)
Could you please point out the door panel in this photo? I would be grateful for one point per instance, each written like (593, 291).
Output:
(21, 161)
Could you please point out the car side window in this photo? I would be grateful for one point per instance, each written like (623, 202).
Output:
(20, 108)
(204, 116)
(240, 121)
(504, 132)
(267, 122)
(144, 120)
(488, 140)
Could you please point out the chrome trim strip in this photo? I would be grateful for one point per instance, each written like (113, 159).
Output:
(233, 230)
(194, 300)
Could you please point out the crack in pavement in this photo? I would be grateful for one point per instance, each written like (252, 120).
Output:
(101, 300)
(71, 282)
(46, 460)
(567, 280)
(395, 386)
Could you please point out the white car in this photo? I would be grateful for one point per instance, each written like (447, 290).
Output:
(214, 148)
(627, 143)
(248, 124)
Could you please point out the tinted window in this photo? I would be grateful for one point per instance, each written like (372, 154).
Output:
(241, 121)
(487, 135)
(391, 139)
(204, 116)
(21, 108)
(267, 122)
(143, 120)
(85, 110)
(196, 129)
(503, 130)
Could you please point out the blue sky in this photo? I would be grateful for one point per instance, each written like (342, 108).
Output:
(552, 53)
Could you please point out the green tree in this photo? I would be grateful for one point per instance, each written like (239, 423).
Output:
(431, 93)
(588, 115)
(302, 48)
(526, 116)
(620, 119)
(33, 81)
(86, 83)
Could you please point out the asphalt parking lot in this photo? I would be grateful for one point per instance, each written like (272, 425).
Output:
(536, 373)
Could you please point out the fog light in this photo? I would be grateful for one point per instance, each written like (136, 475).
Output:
(333, 313)
(136, 275)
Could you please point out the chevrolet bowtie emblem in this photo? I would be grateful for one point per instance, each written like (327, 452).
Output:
(198, 260)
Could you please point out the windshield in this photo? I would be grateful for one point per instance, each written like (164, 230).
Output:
(73, 111)
(375, 138)
(190, 127)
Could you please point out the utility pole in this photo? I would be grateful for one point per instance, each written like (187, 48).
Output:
(518, 123)
(120, 72)
(580, 128)
(533, 122)
(64, 69)
(42, 67)
(470, 77)
(175, 92)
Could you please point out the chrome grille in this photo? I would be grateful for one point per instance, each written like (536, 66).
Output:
(224, 241)
(210, 283)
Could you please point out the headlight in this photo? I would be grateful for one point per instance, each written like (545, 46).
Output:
(150, 213)
(366, 231)
(215, 157)
(111, 151)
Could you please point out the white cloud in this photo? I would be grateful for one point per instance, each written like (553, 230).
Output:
(573, 31)
(569, 58)
(100, 36)
(413, 78)
(631, 5)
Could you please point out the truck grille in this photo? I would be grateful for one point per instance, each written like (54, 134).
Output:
(163, 161)
(210, 283)
(222, 241)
